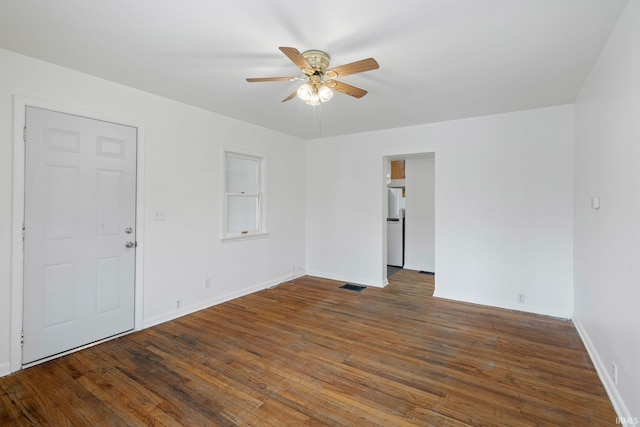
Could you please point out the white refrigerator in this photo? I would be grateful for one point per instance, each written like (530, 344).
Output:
(395, 227)
(395, 241)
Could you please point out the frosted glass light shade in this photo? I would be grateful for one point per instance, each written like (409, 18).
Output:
(305, 92)
(314, 99)
(325, 93)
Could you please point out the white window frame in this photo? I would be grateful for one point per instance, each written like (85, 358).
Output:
(261, 212)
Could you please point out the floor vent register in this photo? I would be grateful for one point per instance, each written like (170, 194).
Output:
(350, 287)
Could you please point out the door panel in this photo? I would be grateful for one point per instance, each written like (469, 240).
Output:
(61, 195)
(59, 284)
(79, 200)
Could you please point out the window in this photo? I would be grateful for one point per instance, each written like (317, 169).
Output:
(244, 196)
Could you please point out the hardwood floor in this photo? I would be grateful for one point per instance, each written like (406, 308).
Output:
(309, 353)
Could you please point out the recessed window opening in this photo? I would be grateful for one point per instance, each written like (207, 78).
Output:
(244, 195)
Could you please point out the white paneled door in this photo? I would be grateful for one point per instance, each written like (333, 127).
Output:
(79, 245)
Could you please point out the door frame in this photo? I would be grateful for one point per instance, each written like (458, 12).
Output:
(385, 199)
(20, 103)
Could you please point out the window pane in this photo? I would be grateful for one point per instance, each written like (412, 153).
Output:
(242, 213)
(242, 175)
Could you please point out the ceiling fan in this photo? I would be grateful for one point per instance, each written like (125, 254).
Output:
(319, 78)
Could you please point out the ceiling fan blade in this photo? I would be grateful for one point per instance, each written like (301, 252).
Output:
(347, 89)
(296, 57)
(353, 68)
(293, 95)
(272, 79)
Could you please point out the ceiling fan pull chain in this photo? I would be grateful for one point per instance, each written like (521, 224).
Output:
(317, 118)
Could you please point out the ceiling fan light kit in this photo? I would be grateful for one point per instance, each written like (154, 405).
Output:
(314, 91)
(319, 80)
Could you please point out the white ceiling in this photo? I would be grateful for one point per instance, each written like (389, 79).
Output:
(439, 59)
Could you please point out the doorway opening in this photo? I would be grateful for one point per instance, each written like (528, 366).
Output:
(409, 204)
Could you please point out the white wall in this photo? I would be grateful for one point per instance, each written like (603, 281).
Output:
(607, 240)
(503, 207)
(182, 176)
(420, 242)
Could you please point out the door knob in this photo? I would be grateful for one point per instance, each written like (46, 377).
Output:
(130, 244)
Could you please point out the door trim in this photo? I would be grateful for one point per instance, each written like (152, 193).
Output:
(20, 104)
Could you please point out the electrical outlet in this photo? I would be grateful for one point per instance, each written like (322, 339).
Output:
(521, 298)
(159, 215)
(207, 283)
(614, 373)
(178, 304)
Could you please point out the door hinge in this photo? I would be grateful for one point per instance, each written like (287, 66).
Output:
(24, 134)
(23, 231)
(22, 339)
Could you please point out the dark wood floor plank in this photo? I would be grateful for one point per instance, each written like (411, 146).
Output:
(310, 353)
(12, 412)
(38, 408)
(186, 399)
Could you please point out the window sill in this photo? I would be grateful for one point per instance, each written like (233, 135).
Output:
(238, 238)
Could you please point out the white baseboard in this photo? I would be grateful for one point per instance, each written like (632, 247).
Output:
(603, 372)
(201, 305)
(417, 267)
(5, 369)
(529, 308)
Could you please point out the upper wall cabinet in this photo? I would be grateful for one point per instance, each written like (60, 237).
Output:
(397, 175)
(397, 169)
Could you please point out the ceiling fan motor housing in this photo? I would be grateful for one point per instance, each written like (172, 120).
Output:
(318, 59)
